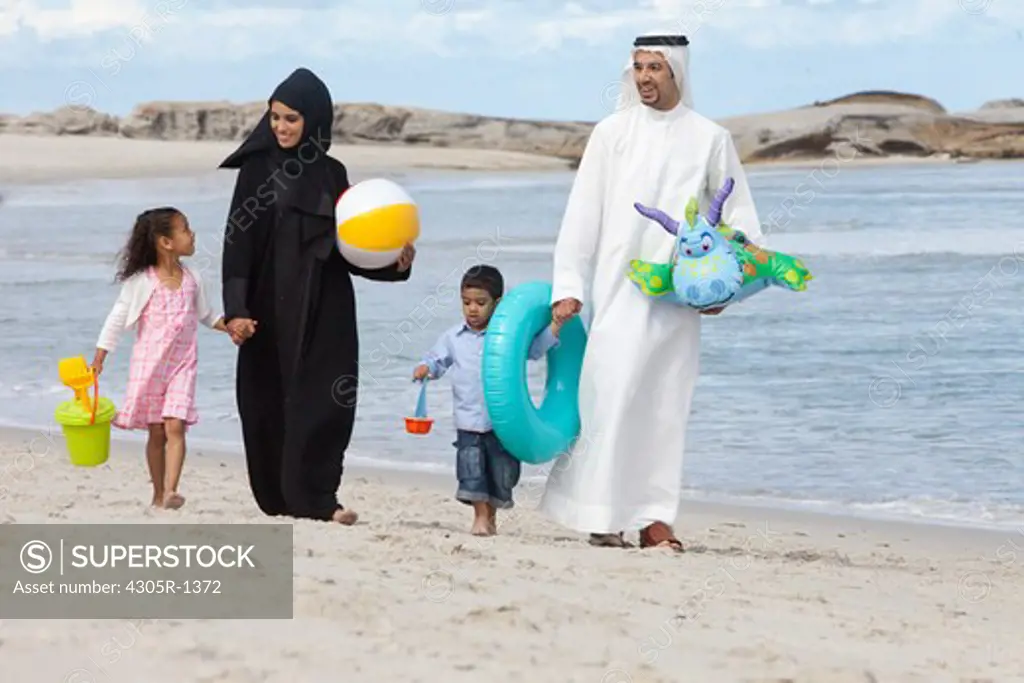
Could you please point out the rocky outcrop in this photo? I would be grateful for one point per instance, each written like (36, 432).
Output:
(353, 124)
(999, 111)
(870, 123)
(1012, 103)
(877, 124)
(887, 97)
(63, 121)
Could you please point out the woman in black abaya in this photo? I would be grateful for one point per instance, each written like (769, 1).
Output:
(290, 305)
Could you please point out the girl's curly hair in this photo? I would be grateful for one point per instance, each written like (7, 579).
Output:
(140, 251)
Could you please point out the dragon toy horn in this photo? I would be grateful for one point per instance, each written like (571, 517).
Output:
(715, 212)
(661, 217)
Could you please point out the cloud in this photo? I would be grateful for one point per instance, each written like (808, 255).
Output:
(854, 23)
(80, 18)
(237, 30)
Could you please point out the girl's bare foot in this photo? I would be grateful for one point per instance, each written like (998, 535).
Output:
(155, 445)
(173, 501)
(346, 517)
(492, 519)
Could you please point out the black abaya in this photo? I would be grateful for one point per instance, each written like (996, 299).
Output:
(297, 376)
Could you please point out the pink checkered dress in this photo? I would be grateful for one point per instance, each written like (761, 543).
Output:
(164, 363)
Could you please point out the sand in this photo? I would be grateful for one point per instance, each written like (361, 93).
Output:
(38, 158)
(408, 595)
(43, 159)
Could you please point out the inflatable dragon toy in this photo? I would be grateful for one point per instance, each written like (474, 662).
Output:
(712, 264)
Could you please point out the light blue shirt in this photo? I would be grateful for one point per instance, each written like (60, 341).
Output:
(460, 350)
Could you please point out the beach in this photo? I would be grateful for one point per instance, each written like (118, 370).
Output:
(763, 593)
(40, 158)
(46, 159)
(408, 595)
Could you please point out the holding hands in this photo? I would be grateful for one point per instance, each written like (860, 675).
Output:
(241, 329)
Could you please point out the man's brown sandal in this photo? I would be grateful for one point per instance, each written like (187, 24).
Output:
(659, 535)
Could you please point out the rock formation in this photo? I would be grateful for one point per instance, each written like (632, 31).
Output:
(880, 124)
(871, 123)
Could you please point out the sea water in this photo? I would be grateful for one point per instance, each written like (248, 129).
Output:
(893, 385)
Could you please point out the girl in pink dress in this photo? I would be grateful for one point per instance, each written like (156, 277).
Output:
(165, 300)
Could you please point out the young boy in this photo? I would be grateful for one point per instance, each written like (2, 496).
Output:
(487, 473)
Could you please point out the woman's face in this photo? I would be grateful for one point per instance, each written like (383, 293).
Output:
(286, 124)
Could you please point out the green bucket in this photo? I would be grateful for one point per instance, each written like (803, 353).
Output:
(88, 444)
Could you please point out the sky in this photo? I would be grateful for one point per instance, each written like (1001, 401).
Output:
(541, 59)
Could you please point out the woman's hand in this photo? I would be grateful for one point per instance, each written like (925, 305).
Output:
(421, 372)
(405, 259)
(241, 329)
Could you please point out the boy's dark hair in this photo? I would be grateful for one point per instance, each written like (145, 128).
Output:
(140, 251)
(487, 278)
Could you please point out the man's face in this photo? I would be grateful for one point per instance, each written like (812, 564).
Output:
(654, 82)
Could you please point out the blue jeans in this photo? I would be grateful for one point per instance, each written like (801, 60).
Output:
(486, 471)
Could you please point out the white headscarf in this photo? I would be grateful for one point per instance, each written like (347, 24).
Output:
(678, 57)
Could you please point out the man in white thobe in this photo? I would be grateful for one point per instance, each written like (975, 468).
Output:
(642, 357)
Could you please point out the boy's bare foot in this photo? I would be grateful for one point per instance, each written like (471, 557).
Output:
(174, 500)
(482, 513)
(492, 519)
(346, 517)
(158, 500)
(481, 527)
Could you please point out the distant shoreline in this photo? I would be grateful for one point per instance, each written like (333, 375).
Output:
(35, 159)
(876, 125)
(39, 159)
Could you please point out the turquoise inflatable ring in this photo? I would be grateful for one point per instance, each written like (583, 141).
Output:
(530, 434)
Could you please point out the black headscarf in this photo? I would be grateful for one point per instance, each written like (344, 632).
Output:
(304, 92)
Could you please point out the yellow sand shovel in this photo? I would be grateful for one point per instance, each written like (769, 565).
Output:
(85, 421)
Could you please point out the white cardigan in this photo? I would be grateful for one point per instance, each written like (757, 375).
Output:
(135, 294)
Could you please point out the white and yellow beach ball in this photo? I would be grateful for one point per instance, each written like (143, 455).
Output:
(375, 219)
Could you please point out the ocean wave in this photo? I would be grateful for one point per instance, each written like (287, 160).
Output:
(43, 279)
(856, 243)
(121, 192)
(954, 511)
(905, 195)
(884, 244)
(77, 256)
(557, 180)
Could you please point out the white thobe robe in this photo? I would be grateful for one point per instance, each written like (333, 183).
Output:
(643, 355)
